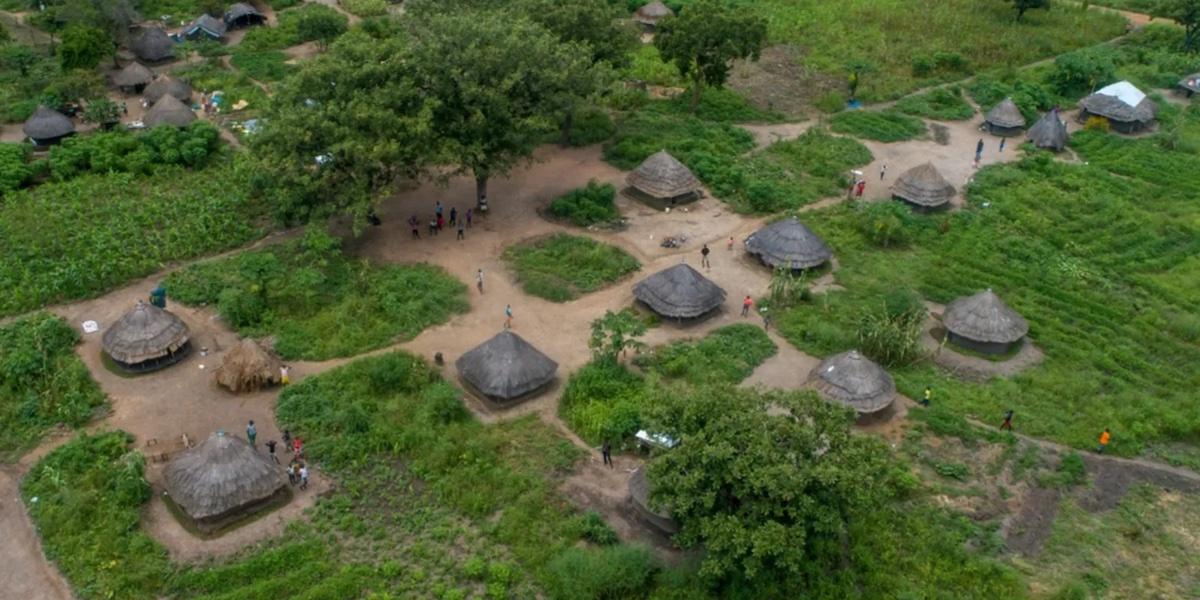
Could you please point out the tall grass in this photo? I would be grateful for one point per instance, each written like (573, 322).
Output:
(884, 126)
(562, 267)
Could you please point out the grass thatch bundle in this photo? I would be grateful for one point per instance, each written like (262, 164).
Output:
(247, 368)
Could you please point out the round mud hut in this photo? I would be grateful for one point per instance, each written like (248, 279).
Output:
(221, 480)
(1190, 84)
(923, 187)
(788, 244)
(639, 496)
(853, 380)
(146, 338)
(662, 180)
(247, 368)
(153, 45)
(47, 126)
(984, 323)
(168, 111)
(1005, 119)
(651, 13)
(679, 292)
(506, 368)
(241, 14)
(1049, 133)
(168, 86)
(1127, 109)
(133, 78)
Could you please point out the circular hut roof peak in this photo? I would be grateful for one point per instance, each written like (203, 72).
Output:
(923, 185)
(679, 292)
(220, 475)
(788, 243)
(144, 333)
(506, 367)
(1006, 114)
(855, 381)
(984, 317)
(662, 176)
(46, 123)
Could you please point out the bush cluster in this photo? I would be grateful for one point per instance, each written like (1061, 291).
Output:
(122, 152)
(881, 126)
(562, 267)
(589, 205)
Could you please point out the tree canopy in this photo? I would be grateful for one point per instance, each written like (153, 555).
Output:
(705, 38)
(1187, 14)
(84, 46)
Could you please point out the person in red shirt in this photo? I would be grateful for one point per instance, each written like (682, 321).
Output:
(746, 304)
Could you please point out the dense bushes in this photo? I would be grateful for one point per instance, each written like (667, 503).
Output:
(881, 126)
(889, 333)
(603, 400)
(611, 573)
(121, 152)
(590, 126)
(727, 355)
(14, 168)
(694, 141)
(589, 205)
(561, 267)
(943, 104)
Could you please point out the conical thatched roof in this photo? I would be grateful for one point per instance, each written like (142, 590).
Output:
(652, 12)
(1191, 82)
(679, 292)
(662, 176)
(167, 85)
(788, 243)
(984, 317)
(247, 368)
(923, 185)
(851, 379)
(169, 111)
(145, 333)
(1121, 101)
(506, 367)
(46, 123)
(241, 10)
(220, 475)
(639, 492)
(153, 45)
(1005, 114)
(133, 75)
(1049, 132)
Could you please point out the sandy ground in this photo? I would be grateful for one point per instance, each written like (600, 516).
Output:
(26, 575)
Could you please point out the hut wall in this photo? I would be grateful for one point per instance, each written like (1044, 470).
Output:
(475, 391)
(921, 208)
(996, 348)
(238, 513)
(1004, 131)
(665, 525)
(43, 143)
(682, 320)
(1126, 127)
(155, 364)
(661, 203)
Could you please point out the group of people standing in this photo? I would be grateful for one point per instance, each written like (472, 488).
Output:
(297, 468)
(460, 221)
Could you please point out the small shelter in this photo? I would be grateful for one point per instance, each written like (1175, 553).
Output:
(133, 78)
(146, 338)
(1005, 119)
(679, 292)
(662, 178)
(1190, 84)
(639, 496)
(221, 480)
(153, 45)
(923, 187)
(651, 13)
(1049, 133)
(788, 243)
(247, 368)
(506, 367)
(1127, 108)
(984, 323)
(205, 25)
(47, 126)
(168, 111)
(241, 14)
(853, 380)
(167, 85)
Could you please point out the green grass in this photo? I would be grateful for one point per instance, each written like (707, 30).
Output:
(42, 382)
(318, 303)
(562, 267)
(265, 66)
(694, 141)
(235, 86)
(885, 126)
(646, 64)
(589, 205)
(1142, 6)
(179, 10)
(366, 8)
(76, 239)
(727, 355)
(942, 104)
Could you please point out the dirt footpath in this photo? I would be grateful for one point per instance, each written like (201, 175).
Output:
(26, 575)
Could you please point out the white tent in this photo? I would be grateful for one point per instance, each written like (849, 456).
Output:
(1125, 92)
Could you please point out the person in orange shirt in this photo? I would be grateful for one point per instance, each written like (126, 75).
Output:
(746, 304)
(1104, 439)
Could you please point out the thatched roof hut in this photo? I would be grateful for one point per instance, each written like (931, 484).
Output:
(205, 25)
(153, 45)
(1049, 133)
(679, 292)
(853, 380)
(241, 14)
(1190, 84)
(662, 178)
(1127, 108)
(146, 338)
(506, 367)
(639, 495)
(651, 13)
(1005, 119)
(134, 77)
(247, 368)
(167, 85)
(221, 479)
(788, 243)
(47, 126)
(169, 111)
(924, 187)
(984, 323)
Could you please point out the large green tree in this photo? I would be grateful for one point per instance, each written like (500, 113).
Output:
(1187, 14)
(84, 46)
(770, 497)
(706, 38)
(1026, 5)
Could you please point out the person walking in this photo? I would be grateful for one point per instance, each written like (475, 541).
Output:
(470, 214)
(746, 304)
(433, 226)
(729, 247)
(303, 476)
(704, 257)
(271, 450)
(766, 318)
(927, 398)
(862, 186)
(287, 440)
(1002, 140)
(606, 453)
(1007, 424)
(462, 225)
(1105, 437)
(298, 447)
(978, 152)
(251, 433)
(441, 222)
(453, 215)
(882, 171)
(284, 371)
(415, 224)
(508, 316)
(437, 209)
(291, 469)
(479, 281)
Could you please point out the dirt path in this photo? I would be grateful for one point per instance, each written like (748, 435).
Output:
(27, 574)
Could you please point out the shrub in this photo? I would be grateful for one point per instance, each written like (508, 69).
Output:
(1082, 70)
(562, 267)
(122, 152)
(890, 334)
(609, 573)
(727, 355)
(1096, 123)
(365, 8)
(831, 102)
(946, 104)
(265, 66)
(591, 126)
(14, 167)
(587, 205)
(240, 307)
(595, 530)
(881, 126)
(885, 224)
(603, 400)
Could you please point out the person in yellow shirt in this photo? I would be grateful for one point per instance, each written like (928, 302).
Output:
(928, 397)
(1104, 439)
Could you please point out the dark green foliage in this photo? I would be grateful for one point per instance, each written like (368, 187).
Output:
(265, 66)
(14, 167)
(122, 152)
(889, 332)
(595, 530)
(591, 126)
(881, 126)
(1187, 14)
(102, 111)
(589, 205)
(562, 267)
(29, 77)
(1083, 70)
(1031, 97)
(616, 333)
(83, 47)
(319, 24)
(886, 224)
(694, 141)
(610, 573)
(726, 356)
(705, 39)
(42, 382)
(603, 400)
(787, 174)
(943, 104)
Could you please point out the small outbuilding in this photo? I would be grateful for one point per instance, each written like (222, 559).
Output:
(853, 380)
(1049, 133)
(1190, 84)
(639, 497)
(247, 368)
(506, 368)
(679, 292)
(146, 338)
(242, 14)
(168, 111)
(222, 480)
(661, 178)
(47, 126)
(984, 323)
(153, 45)
(790, 244)
(205, 26)
(923, 187)
(133, 78)
(1127, 109)
(167, 85)
(651, 13)
(1005, 119)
